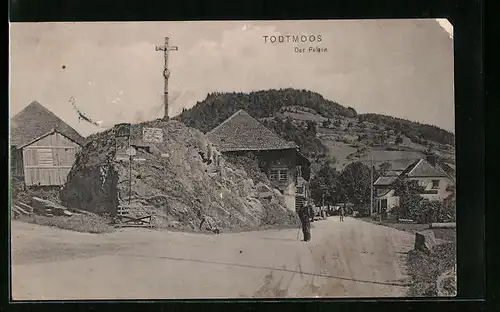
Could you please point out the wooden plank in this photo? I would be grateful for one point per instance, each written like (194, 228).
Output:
(48, 167)
(49, 146)
(444, 225)
(45, 157)
(54, 138)
(25, 206)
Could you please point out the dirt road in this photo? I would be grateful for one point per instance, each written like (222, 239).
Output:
(353, 258)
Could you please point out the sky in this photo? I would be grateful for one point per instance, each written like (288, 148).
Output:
(401, 68)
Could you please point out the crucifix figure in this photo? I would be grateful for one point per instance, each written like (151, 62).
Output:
(166, 73)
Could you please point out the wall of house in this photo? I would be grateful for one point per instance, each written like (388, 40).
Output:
(392, 201)
(49, 160)
(439, 193)
(279, 160)
(380, 190)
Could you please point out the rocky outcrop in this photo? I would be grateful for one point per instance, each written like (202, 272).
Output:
(182, 181)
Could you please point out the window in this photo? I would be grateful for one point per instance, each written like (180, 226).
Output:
(300, 189)
(44, 157)
(435, 184)
(278, 174)
(383, 204)
(283, 174)
(273, 175)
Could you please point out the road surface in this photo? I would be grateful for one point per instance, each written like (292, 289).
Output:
(344, 259)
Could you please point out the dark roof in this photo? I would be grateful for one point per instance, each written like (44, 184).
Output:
(452, 166)
(393, 173)
(449, 169)
(242, 132)
(400, 165)
(423, 168)
(384, 181)
(35, 121)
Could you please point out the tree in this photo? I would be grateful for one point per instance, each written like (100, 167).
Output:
(410, 200)
(384, 168)
(356, 184)
(326, 182)
(311, 127)
(399, 140)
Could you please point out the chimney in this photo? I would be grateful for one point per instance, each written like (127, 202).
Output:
(431, 159)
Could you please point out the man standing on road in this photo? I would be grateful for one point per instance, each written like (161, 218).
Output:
(342, 212)
(306, 213)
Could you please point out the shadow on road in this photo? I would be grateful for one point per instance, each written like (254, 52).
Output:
(267, 268)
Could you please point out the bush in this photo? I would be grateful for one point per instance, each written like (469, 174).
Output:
(79, 223)
(426, 211)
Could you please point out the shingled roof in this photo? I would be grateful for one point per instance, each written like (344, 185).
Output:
(423, 168)
(35, 121)
(242, 132)
(384, 181)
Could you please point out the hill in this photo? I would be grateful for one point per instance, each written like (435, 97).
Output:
(325, 129)
(217, 107)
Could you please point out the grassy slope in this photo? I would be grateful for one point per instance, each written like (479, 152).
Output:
(342, 142)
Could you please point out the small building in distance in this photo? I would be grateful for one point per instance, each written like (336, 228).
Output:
(281, 161)
(43, 147)
(426, 172)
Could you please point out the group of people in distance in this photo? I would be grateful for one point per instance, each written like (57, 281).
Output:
(306, 216)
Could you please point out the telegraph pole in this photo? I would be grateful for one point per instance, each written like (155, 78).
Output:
(166, 73)
(371, 187)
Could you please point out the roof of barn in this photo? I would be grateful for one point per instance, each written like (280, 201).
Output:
(35, 121)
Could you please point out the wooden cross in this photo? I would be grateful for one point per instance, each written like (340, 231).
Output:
(166, 73)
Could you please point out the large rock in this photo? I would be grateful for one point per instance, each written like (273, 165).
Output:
(425, 240)
(181, 181)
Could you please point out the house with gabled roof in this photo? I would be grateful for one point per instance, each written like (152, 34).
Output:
(43, 147)
(281, 161)
(428, 174)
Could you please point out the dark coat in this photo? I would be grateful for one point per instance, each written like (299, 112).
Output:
(306, 213)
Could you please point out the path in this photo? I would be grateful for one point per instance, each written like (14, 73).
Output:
(353, 258)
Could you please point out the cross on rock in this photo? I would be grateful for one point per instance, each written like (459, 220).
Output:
(166, 73)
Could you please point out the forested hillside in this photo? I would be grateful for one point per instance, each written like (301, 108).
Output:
(324, 129)
(217, 107)
(413, 130)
